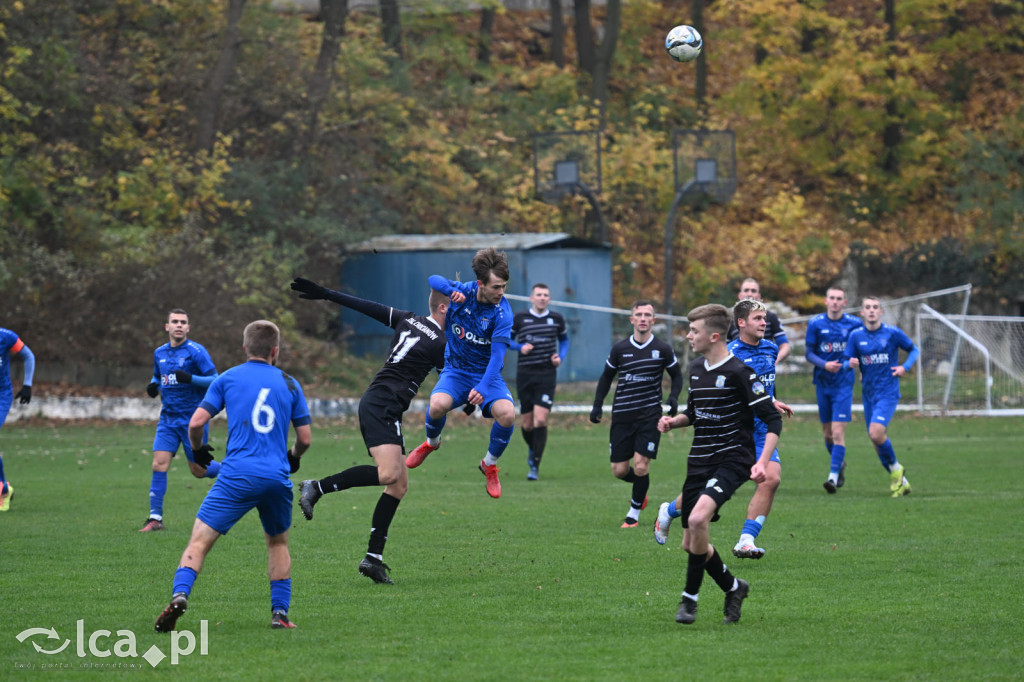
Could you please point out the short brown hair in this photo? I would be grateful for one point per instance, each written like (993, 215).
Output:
(640, 302)
(176, 311)
(744, 308)
(715, 316)
(259, 338)
(435, 300)
(487, 261)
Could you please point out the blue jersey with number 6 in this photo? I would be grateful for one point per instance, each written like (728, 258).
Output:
(261, 401)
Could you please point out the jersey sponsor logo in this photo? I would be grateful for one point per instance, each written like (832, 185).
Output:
(469, 336)
(701, 414)
(875, 359)
(720, 381)
(757, 388)
(627, 355)
(828, 347)
(639, 377)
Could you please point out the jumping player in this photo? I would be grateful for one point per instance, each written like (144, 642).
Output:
(416, 348)
(478, 327)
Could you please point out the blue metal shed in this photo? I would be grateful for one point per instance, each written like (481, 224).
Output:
(394, 269)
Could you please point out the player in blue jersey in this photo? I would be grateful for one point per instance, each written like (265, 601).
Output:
(749, 288)
(478, 327)
(825, 348)
(11, 344)
(182, 370)
(417, 347)
(875, 348)
(260, 401)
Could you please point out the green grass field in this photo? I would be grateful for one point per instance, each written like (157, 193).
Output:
(541, 584)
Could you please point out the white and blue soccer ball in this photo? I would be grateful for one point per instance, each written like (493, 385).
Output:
(684, 43)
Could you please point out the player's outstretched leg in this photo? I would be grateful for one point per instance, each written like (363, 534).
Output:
(169, 617)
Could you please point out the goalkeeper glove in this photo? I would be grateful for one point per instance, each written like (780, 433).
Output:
(595, 414)
(309, 289)
(24, 396)
(293, 461)
(182, 377)
(153, 390)
(673, 406)
(202, 456)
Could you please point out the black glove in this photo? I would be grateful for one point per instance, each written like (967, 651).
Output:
(673, 406)
(293, 461)
(153, 390)
(595, 414)
(24, 396)
(182, 377)
(469, 409)
(309, 289)
(202, 456)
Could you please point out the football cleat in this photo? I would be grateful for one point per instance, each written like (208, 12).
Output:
(493, 484)
(309, 493)
(734, 602)
(417, 456)
(896, 478)
(687, 612)
(830, 487)
(279, 621)
(747, 550)
(166, 620)
(532, 474)
(661, 524)
(904, 488)
(630, 523)
(376, 570)
(152, 524)
(842, 475)
(5, 498)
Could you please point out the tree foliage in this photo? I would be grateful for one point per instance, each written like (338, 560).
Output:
(112, 213)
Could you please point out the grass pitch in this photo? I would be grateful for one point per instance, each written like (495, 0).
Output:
(540, 584)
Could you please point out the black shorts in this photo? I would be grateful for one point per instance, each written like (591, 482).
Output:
(380, 418)
(535, 389)
(628, 437)
(719, 483)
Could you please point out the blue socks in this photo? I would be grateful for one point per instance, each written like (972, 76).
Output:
(184, 579)
(500, 436)
(157, 490)
(838, 455)
(672, 511)
(886, 454)
(280, 594)
(752, 527)
(434, 427)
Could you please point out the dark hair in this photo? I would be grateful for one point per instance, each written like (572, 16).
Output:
(176, 311)
(640, 302)
(539, 285)
(487, 261)
(742, 310)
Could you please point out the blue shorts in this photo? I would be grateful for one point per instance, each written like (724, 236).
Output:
(231, 498)
(458, 383)
(759, 445)
(880, 411)
(835, 404)
(169, 435)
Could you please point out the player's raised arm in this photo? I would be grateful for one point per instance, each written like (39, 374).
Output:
(310, 290)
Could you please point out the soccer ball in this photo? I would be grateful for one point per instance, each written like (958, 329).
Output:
(683, 43)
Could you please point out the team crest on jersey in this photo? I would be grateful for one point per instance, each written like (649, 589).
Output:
(720, 381)
(757, 388)
(550, 321)
(485, 322)
(655, 354)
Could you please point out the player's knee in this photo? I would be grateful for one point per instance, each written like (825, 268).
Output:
(698, 520)
(641, 469)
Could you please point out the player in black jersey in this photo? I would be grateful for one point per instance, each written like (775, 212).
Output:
(416, 348)
(749, 288)
(724, 397)
(540, 337)
(639, 360)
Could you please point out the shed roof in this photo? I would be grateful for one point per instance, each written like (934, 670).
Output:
(472, 242)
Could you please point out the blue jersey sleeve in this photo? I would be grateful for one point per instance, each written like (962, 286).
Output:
(30, 364)
(442, 284)
(213, 401)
